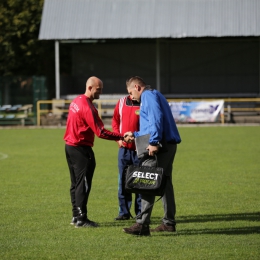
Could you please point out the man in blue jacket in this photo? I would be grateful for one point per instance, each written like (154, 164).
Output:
(155, 119)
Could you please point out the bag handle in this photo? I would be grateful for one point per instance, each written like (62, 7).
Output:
(145, 157)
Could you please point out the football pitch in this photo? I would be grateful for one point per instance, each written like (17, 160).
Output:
(216, 178)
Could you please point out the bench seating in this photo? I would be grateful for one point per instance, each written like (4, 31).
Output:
(16, 115)
(11, 121)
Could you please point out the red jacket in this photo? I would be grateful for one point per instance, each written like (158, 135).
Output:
(126, 118)
(84, 122)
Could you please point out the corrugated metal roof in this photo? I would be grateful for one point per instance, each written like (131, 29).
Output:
(113, 19)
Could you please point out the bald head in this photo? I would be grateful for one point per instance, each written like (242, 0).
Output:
(93, 81)
(94, 87)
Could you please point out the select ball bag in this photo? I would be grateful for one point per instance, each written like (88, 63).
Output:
(145, 180)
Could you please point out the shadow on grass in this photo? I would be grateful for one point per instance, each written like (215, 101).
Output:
(251, 216)
(247, 216)
(224, 231)
(119, 223)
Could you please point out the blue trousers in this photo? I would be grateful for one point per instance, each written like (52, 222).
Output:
(126, 157)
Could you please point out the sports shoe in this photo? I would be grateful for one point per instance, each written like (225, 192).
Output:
(73, 221)
(122, 217)
(163, 227)
(86, 223)
(138, 229)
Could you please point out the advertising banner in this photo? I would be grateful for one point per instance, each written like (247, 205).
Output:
(197, 111)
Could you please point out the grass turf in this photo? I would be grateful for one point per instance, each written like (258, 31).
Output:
(216, 180)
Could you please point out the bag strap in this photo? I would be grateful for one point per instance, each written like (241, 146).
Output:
(140, 215)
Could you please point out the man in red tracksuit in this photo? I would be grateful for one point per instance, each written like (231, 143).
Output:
(83, 124)
(126, 118)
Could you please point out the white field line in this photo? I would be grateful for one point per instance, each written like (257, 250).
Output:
(3, 156)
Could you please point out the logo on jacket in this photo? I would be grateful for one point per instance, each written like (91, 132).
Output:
(74, 107)
(137, 112)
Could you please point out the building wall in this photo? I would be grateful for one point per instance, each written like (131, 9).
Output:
(189, 67)
(214, 66)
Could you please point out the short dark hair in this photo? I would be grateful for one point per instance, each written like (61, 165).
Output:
(137, 79)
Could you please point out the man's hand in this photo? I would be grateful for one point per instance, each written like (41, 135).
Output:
(128, 137)
(121, 143)
(153, 149)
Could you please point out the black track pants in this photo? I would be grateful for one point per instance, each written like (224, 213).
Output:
(82, 163)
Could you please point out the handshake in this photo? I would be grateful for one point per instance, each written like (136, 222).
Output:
(129, 137)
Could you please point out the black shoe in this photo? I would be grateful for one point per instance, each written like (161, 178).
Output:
(86, 223)
(138, 229)
(122, 217)
(73, 221)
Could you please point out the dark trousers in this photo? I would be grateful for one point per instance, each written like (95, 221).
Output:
(165, 160)
(126, 157)
(81, 163)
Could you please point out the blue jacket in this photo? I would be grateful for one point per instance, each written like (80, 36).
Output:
(156, 118)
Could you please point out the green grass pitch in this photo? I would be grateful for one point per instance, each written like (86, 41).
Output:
(216, 179)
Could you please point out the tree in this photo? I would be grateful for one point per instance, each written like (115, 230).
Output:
(21, 53)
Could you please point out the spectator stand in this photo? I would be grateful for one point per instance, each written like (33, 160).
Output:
(55, 112)
(242, 110)
(18, 114)
(236, 110)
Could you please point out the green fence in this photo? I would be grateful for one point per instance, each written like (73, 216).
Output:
(21, 91)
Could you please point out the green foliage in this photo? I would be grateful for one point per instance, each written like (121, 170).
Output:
(216, 181)
(20, 50)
